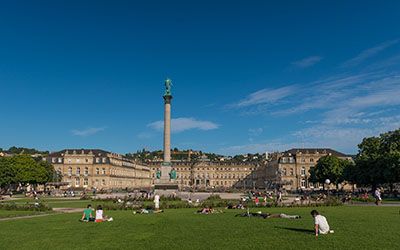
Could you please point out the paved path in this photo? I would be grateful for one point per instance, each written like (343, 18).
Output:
(371, 204)
(58, 210)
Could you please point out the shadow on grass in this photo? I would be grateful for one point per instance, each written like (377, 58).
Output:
(301, 230)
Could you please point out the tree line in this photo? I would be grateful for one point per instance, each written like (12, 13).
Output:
(23, 169)
(377, 163)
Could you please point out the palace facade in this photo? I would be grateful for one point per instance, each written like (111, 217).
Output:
(290, 170)
(204, 174)
(94, 168)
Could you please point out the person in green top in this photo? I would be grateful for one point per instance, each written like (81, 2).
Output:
(87, 214)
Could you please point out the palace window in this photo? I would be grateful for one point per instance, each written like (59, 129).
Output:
(77, 181)
(303, 183)
(291, 171)
(86, 171)
(78, 171)
(59, 160)
(103, 171)
(85, 182)
(97, 160)
(53, 160)
(311, 160)
(303, 171)
(103, 182)
(97, 171)
(69, 171)
(104, 160)
(284, 171)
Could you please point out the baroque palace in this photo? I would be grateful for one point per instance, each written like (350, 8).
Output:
(94, 168)
(204, 174)
(290, 170)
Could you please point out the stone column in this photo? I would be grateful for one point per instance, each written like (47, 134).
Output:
(167, 129)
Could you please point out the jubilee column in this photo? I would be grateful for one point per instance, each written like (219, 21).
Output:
(166, 177)
(167, 128)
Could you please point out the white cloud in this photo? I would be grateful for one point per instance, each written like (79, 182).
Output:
(87, 132)
(369, 53)
(307, 62)
(255, 131)
(266, 96)
(183, 124)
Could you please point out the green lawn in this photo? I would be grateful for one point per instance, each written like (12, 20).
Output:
(7, 214)
(355, 228)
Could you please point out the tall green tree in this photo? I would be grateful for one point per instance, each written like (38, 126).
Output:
(329, 167)
(378, 160)
(7, 172)
(23, 169)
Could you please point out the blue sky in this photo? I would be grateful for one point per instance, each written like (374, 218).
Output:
(249, 76)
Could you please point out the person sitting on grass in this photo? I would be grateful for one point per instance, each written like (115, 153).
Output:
(99, 215)
(268, 215)
(87, 214)
(321, 224)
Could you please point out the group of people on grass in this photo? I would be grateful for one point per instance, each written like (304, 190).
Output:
(321, 225)
(87, 215)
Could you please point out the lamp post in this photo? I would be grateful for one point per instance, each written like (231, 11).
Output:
(327, 182)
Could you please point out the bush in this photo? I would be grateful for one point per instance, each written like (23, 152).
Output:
(39, 206)
(361, 199)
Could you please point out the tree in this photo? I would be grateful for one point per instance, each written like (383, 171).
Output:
(329, 167)
(23, 169)
(378, 160)
(7, 172)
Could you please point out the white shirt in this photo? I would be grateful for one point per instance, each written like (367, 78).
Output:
(323, 226)
(99, 214)
(156, 198)
(378, 194)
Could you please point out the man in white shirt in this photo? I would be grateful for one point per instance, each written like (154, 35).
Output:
(321, 224)
(378, 198)
(157, 202)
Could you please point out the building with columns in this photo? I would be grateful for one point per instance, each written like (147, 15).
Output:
(95, 168)
(204, 174)
(290, 170)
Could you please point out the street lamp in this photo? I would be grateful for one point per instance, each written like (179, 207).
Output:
(327, 182)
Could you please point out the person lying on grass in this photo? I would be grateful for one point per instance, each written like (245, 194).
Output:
(321, 224)
(238, 206)
(87, 214)
(99, 215)
(268, 215)
(147, 211)
(208, 210)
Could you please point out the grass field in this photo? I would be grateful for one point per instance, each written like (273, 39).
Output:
(8, 214)
(355, 228)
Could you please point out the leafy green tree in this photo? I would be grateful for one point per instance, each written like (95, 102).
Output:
(329, 167)
(378, 159)
(24, 169)
(7, 172)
